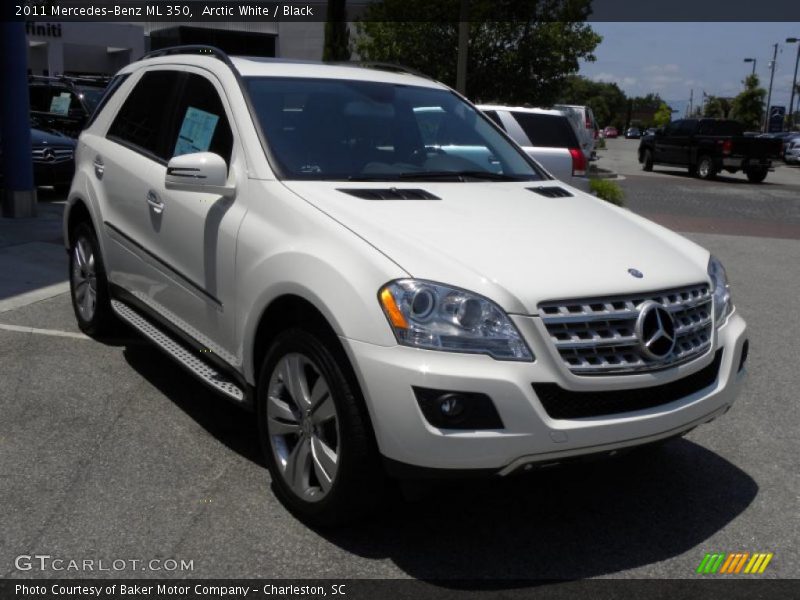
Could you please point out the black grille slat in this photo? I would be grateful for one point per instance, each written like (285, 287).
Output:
(566, 404)
(550, 191)
(389, 193)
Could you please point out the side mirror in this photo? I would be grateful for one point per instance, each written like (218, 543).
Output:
(199, 172)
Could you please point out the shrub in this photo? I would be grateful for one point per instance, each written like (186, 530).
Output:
(607, 190)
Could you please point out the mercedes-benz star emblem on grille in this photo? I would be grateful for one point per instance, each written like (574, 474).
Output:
(655, 330)
(48, 154)
(636, 273)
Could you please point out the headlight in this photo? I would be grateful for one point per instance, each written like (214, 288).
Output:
(720, 289)
(437, 317)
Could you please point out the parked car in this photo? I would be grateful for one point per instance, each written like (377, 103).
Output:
(633, 133)
(294, 235)
(547, 137)
(52, 154)
(791, 152)
(708, 146)
(649, 131)
(582, 119)
(65, 103)
(610, 132)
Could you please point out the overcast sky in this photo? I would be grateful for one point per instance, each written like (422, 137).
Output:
(673, 58)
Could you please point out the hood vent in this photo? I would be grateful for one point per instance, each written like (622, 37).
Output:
(551, 191)
(389, 194)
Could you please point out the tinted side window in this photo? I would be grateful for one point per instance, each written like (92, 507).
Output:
(55, 100)
(492, 114)
(685, 128)
(143, 117)
(548, 131)
(200, 121)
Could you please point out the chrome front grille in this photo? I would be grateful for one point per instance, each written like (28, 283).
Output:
(50, 154)
(595, 336)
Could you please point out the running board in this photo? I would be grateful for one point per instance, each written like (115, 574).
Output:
(195, 365)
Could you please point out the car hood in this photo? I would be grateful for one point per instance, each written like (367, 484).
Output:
(40, 137)
(511, 244)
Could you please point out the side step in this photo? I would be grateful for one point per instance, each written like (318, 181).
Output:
(198, 367)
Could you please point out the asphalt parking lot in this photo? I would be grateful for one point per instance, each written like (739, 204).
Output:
(109, 451)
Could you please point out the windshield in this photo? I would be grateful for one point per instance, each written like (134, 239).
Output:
(329, 129)
(91, 96)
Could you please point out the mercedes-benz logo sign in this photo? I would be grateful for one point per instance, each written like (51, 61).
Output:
(655, 330)
(636, 273)
(49, 155)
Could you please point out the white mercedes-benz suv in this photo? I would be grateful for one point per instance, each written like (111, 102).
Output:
(390, 283)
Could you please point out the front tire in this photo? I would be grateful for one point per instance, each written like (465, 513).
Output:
(314, 430)
(705, 167)
(88, 283)
(756, 175)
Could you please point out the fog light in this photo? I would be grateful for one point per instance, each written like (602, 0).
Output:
(448, 409)
(451, 405)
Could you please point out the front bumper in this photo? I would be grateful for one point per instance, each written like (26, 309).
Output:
(530, 435)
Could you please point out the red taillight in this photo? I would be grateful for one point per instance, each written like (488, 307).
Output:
(578, 162)
(727, 146)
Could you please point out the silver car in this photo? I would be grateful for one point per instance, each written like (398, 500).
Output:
(548, 137)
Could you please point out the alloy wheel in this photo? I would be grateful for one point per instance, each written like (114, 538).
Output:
(303, 427)
(84, 278)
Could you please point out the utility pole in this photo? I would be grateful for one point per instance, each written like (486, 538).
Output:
(771, 77)
(794, 79)
(691, 100)
(463, 46)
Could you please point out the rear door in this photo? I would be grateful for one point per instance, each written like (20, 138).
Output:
(546, 138)
(124, 164)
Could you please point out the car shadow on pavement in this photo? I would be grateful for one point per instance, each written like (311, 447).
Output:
(227, 423)
(718, 178)
(576, 521)
(585, 520)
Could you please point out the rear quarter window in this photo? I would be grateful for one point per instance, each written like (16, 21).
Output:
(547, 131)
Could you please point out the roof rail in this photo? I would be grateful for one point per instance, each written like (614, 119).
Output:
(191, 49)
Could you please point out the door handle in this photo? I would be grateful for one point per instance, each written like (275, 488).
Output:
(99, 167)
(154, 202)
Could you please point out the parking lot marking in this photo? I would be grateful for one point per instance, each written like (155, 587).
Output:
(52, 332)
(36, 295)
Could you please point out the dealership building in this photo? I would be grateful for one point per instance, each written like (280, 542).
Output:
(71, 48)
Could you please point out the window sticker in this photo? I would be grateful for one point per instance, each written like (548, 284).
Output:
(59, 105)
(196, 131)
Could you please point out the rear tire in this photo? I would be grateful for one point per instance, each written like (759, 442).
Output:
(88, 283)
(705, 167)
(647, 160)
(756, 175)
(314, 430)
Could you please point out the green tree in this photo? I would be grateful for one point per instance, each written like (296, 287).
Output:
(748, 106)
(608, 102)
(337, 34)
(519, 52)
(663, 115)
(717, 108)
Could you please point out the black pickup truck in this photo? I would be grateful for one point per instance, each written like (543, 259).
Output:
(708, 146)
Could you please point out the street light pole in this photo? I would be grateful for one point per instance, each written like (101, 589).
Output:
(771, 78)
(794, 79)
(752, 60)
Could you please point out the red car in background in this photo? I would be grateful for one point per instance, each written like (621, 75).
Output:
(610, 132)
